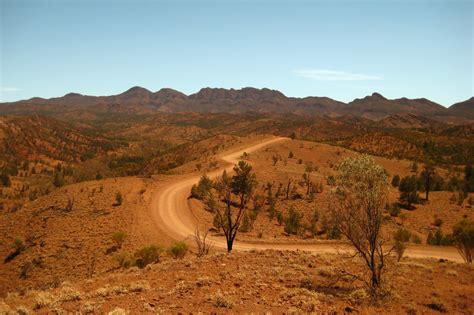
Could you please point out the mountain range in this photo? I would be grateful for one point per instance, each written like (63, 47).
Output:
(139, 100)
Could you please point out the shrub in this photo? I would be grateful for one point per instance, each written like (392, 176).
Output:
(401, 237)
(203, 245)
(439, 239)
(5, 180)
(290, 155)
(123, 260)
(394, 209)
(178, 250)
(395, 181)
(409, 191)
(293, 221)
(147, 255)
(463, 237)
(437, 222)
(118, 237)
(118, 199)
(202, 189)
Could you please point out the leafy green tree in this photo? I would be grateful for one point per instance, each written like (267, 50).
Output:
(202, 189)
(357, 203)
(409, 191)
(463, 236)
(236, 193)
(293, 221)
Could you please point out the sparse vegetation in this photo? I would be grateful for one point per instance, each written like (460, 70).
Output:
(463, 236)
(179, 250)
(358, 200)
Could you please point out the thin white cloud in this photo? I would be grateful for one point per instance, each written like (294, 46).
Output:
(334, 75)
(9, 89)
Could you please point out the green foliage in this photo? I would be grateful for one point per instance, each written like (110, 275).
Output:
(409, 191)
(401, 236)
(280, 217)
(202, 190)
(178, 250)
(463, 237)
(246, 225)
(147, 255)
(439, 239)
(293, 221)
(119, 237)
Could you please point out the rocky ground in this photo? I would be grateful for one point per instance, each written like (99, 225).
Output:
(268, 281)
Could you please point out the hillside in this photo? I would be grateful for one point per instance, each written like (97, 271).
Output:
(138, 100)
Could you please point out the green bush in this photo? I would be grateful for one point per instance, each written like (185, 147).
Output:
(463, 237)
(147, 255)
(293, 221)
(439, 239)
(178, 250)
(202, 189)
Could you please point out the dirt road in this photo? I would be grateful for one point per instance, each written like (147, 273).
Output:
(174, 217)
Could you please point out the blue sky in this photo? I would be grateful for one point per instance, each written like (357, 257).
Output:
(340, 49)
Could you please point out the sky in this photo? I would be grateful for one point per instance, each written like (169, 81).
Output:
(340, 49)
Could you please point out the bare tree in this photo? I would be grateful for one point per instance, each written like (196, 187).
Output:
(427, 174)
(236, 193)
(203, 245)
(357, 205)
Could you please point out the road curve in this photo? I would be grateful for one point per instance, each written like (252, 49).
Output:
(172, 214)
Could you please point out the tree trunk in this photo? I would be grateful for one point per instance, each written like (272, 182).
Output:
(229, 245)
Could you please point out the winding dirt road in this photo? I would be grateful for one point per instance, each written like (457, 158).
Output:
(173, 215)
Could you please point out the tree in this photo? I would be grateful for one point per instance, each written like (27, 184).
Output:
(409, 191)
(395, 181)
(236, 193)
(275, 159)
(401, 237)
(58, 179)
(427, 174)
(463, 236)
(469, 178)
(202, 189)
(357, 203)
(293, 221)
(118, 199)
(5, 180)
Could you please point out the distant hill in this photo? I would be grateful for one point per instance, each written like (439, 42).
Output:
(139, 100)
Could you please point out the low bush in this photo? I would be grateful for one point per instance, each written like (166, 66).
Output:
(178, 250)
(147, 255)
